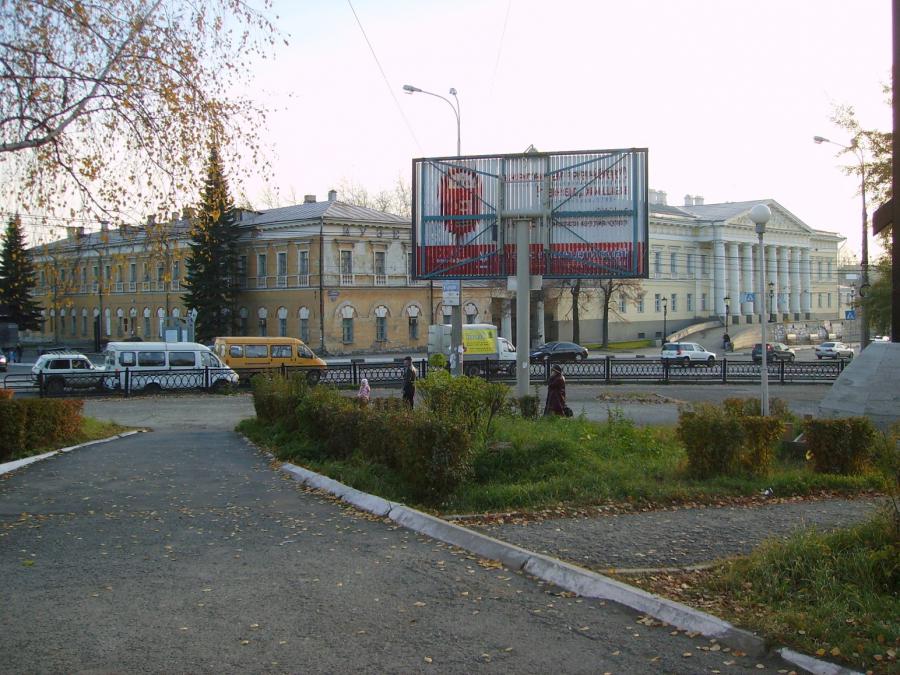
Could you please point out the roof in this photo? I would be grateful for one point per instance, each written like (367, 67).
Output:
(332, 210)
(723, 211)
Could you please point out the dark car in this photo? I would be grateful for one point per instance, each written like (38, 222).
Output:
(559, 351)
(775, 351)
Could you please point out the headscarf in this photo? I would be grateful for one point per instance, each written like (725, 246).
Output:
(364, 389)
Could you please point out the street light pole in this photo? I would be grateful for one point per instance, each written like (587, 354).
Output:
(456, 340)
(864, 258)
(665, 304)
(760, 215)
(771, 302)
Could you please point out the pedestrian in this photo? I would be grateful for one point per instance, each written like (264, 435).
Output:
(362, 396)
(556, 393)
(19, 353)
(726, 342)
(409, 381)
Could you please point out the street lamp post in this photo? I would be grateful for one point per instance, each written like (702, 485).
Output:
(665, 305)
(760, 215)
(771, 302)
(456, 310)
(864, 258)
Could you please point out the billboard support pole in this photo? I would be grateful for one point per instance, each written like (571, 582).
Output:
(523, 308)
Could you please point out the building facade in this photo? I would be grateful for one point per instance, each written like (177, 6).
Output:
(339, 277)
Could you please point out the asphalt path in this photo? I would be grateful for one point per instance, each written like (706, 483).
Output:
(182, 550)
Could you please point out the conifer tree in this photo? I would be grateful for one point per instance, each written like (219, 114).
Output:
(211, 276)
(17, 278)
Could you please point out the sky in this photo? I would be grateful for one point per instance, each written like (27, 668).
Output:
(725, 94)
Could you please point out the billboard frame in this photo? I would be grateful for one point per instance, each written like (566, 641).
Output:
(483, 245)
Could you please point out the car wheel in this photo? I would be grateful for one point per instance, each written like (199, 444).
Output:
(819, 356)
(711, 361)
(686, 361)
(473, 371)
(791, 358)
(850, 356)
(55, 386)
(314, 376)
(579, 357)
(220, 386)
(511, 368)
(152, 388)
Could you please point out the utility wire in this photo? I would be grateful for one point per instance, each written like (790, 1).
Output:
(500, 48)
(385, 78)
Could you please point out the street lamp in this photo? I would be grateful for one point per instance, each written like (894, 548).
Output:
(771, 302)
(864, 259)
(409, 89)
(665, 304)
(760, 215)
(456, 310)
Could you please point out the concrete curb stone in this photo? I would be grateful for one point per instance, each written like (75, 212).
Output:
(567, 576)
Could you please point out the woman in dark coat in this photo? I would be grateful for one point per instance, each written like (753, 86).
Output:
(556, 393)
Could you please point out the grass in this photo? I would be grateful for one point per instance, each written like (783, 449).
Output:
(91, 430)
(544, 463)
(835, 595)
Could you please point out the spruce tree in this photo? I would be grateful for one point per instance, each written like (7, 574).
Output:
(17, 278)
(211, 275)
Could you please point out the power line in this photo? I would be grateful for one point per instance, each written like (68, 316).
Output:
(384, 77)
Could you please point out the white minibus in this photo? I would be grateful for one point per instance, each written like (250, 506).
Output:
(153, 366)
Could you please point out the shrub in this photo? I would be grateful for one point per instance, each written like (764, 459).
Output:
(528, 406)
(471, 401)
(33, 424)
(437, 361)
(275, 397)
(843, 446)
(6, 394)
(433, 454)
(761, 436)
(12, 429)
(742, 407)
(711, 438)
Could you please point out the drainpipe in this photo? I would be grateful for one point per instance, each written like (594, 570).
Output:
(321, 286)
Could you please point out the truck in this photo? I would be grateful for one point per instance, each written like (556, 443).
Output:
(485, 350)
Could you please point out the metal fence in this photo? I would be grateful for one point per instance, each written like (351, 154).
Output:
(608, 370)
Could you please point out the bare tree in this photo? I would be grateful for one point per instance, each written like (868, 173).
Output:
(108, 107)
(584, 291)
(397, 200)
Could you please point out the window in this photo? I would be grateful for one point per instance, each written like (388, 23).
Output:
(703, 302)
(281, 351)
(820, 301)
(819, 269)
(147, 326)
(657, 262)
(236, 351)
(413, 328)
(828, 270)
(690, 302)
(263, 327)
(623, 303)
(304, 329)
(673, 263)
(640, 303)
(261, 265)
(380, 276)
(305, 352)
(381, 328)
(176, 270)
(182, 359)
(152, 359)
(126, 359)
(242, 325)
(346, 266)
(703, 269)
(829, 300)
(160, 274)
(282, 326)
(303, 267)
(84, 323)
(256, 351)
(74, 323)
(657, 305)
(242, 266)
(674, 303)
(281, 263)
(347, 330)
(690, 264)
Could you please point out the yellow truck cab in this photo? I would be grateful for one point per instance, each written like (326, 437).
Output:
(259, 353)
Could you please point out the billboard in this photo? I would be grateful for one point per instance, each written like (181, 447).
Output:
(588, 210)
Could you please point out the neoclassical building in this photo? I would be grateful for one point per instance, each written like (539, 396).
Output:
(339, 277)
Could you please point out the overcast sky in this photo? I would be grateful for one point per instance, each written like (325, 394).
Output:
(726, 94)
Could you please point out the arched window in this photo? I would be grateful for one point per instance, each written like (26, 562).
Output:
(262, 315)
(412, 313)
(347, 314)
(303, 315)
(282, 321)
(381, 315)
(471, 311)
(243, 315)
(146, 316)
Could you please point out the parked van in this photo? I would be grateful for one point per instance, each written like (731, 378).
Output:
(152, 366)
(484, 348)
(258, 353)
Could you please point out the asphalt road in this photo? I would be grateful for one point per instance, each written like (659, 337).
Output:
(182, 550)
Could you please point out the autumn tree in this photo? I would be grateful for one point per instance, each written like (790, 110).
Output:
(211, 279)
(17, 278)
(106, 106)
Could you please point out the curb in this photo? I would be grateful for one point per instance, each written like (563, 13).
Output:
(19, 463)
(565, 575)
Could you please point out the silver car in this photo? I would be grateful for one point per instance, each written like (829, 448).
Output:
(59, 371)
(834, 350)
(687, 354)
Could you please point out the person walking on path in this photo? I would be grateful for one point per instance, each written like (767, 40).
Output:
(409, 381)
(362, 396)
(556, 393)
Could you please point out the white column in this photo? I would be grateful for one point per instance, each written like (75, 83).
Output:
(795, 280)
(806, 282)
(772, 277)
(784, 279)
(719, 276)
(734, 279)
(747, 308)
